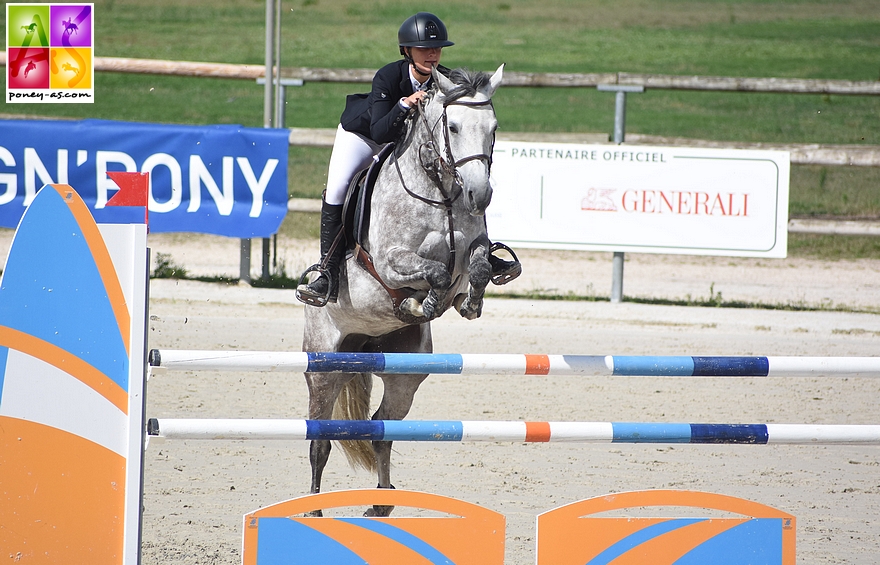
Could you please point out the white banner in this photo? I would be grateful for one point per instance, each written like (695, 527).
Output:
(640, 199)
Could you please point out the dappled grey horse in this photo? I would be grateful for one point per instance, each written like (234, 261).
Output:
(424, 251)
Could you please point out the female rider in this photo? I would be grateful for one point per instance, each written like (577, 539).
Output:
(368, 122)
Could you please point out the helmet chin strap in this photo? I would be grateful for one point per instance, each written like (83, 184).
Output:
(408, 56)
(419, 71)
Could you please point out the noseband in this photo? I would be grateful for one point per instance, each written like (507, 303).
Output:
(463, 160)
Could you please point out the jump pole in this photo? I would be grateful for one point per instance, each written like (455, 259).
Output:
(516, 364)
(514, 431)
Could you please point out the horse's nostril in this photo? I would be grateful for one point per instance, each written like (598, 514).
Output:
(469, 194)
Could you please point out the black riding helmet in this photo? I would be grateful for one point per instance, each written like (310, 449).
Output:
(422, 30)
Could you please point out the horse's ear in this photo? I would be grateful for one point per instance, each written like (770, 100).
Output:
(444, 83)
(495, 81)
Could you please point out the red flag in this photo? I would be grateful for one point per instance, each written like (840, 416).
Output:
(133, 190)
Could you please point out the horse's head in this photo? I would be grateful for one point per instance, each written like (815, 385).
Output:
(463, 109)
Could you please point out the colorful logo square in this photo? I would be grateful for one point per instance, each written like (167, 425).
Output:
(28, 68)
(50, 53)
(71, 25)
(27, 25)
(70, 68)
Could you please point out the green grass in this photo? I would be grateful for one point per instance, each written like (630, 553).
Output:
(299, 225)
(761, 38)
(833, 247)
(819, 191)
(307, 171)
(749, 38)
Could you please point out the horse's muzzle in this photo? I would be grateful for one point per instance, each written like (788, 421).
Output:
(478, 200)
(476, 186)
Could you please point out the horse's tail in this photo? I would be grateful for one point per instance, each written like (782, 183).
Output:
(353, 403)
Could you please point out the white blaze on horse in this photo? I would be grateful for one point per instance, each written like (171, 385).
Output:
(421, 249)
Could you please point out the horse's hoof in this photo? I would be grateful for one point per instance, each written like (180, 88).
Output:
(412, 307)
(314, 514)
(470, 314)
(431, 306)
(469, 311)
(428, 309)
(378, 512)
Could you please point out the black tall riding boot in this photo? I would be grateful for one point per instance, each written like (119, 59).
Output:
(325, 287)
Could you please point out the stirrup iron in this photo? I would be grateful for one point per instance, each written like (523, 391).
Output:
(319, 301)
(512, 272)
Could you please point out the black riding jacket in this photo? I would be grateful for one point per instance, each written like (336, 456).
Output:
(377, 115)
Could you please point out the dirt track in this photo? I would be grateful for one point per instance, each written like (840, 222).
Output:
(197, 492)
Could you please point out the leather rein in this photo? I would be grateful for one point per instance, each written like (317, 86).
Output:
(435, 167)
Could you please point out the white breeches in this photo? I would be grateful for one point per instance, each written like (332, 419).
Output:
(351, 153)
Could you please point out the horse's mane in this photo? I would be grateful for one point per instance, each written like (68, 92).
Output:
(467, 82)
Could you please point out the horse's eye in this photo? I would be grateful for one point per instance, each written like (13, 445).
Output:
(453, 128)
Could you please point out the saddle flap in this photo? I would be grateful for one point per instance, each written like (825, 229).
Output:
(356, 208)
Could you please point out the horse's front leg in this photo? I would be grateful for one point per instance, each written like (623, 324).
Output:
(479, 271)
(397, 398)
(324, 388)
(408, 268)
(396, 403)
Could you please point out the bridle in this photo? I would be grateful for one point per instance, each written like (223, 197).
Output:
(438, 165)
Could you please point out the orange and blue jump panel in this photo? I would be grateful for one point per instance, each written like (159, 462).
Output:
(451, 532)
(612, 529)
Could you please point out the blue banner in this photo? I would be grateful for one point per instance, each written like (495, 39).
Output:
(225, 179)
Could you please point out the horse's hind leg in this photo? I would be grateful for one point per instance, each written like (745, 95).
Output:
(396, 402)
